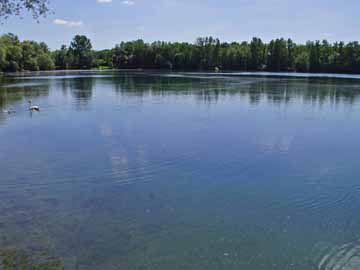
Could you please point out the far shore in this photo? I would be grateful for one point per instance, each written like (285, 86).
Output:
(189, 73)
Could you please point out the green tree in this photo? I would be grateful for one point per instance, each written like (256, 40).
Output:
(314, 49)
(302, 62)
(2, 58)
(61, 58)
(45, 62)
(29, 55)
(257, 49)
(278, 57)
(13, 57)
(103, 58)
(206, 53)
(81, 52)
(291, 46)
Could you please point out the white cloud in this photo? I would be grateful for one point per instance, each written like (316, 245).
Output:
(68, 23)
(327, 35)
(124, 2)
(128, 2)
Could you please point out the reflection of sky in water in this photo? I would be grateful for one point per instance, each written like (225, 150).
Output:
(58, 77)
(21, 85)
(276, 74)
(154, 172)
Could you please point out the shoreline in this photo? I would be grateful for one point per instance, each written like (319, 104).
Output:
(298, 75)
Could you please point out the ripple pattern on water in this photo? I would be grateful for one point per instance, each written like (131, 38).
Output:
(342, 257)
(150, 171)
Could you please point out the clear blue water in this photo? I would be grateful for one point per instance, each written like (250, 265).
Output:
(134, 170)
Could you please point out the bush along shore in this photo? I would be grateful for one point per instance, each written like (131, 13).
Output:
(204, 54)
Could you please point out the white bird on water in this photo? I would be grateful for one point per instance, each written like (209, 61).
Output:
(10, 111)
(33, 108)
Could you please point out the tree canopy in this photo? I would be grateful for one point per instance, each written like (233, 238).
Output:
(80, 52)
(37, 8)
(205, 53)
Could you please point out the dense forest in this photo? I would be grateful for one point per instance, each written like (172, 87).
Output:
(205, 54)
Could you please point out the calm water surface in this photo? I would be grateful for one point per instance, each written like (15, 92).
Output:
(151, 171)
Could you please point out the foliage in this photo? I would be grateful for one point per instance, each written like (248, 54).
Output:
(37, 8)
(17, 259)
(210, 54)
(205, 54)
(302, 62)
(80, 52)
(45, 62)
(25, 55)
(61, 58)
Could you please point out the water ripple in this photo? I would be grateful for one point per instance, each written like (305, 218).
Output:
(342, 257)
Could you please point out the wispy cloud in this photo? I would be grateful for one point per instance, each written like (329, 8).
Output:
(124, 2)
(68, 23)
(128, 2)
(327, 35)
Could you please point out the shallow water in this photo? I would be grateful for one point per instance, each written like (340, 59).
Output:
(138, 170)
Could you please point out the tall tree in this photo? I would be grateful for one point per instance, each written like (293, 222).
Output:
(80, 52)
(291, 57)
(278, 55)
(61, 58)
(315, 64)
(257, 53)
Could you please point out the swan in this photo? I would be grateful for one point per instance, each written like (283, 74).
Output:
(33, 108)
(10, 111)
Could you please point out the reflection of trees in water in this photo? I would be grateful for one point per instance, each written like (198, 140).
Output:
(64, 86)
(275, 91)
(12, 96)
(207, 95)
(310, 91)
(142, 85)
(2, 118)
(81, 90)
(207, 90)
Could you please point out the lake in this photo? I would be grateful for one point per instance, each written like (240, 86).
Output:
(159, 171)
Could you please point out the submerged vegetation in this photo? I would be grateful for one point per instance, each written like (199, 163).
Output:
(205, 54)
(19, 260)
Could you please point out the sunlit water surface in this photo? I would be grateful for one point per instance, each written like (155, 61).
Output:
(152, 171)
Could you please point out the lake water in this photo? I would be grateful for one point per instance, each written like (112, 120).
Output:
(156, 171)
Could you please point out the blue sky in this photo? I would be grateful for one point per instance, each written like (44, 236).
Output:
(108, 22)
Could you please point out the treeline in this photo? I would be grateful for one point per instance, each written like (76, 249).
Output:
(205, 54)
(16, 55)
(25, 55)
